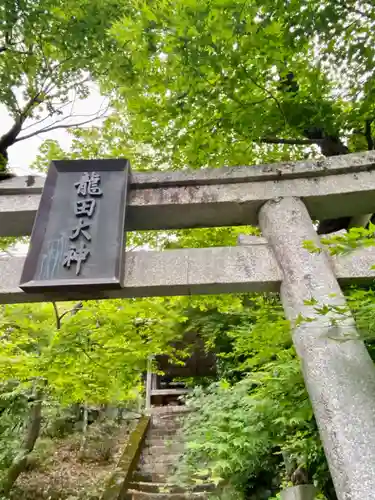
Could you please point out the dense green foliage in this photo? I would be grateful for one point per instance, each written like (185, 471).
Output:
(247, 426)
(193, 83)
(212, 82)
(97, 355)
(85, 354)
(49, 54)
(257, 413)
(251, 430)
(237, 433)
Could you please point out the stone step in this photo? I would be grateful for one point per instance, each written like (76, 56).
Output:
(165, 435)
(139, 477)
(148, 477)
(169, 410)
(167, 431)
(179, 391)
(165, 426)
(163, 441)
(159, 446)
(162, 456)
(165, 415)
(164, 448)
(141, 495)
(153, 487)
(161, 469)
(161, 459)
(177, 415)
(168, 417)
(164, 432)
(166, 444)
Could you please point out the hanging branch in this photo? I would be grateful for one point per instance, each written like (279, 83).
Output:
(293, 142)
(59, 317)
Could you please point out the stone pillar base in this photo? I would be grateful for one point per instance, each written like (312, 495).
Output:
(302, 492)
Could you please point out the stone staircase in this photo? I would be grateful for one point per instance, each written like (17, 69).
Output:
(161, 452)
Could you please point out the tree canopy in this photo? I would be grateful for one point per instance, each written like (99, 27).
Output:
(229, 81)
(49, 53)
(97, 354)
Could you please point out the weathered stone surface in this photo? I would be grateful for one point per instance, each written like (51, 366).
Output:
(249, 268)
(155, 487)
(160, 461)
(301, 492)
(140, 495)
(172, 272)
(339, 373)
(352, 163)
(355, 264)
(249, 239)
(167, 410)
(235, 204)
(28, 184)
(17, 214)
(160, 457)
(331, 188)
(173, 448)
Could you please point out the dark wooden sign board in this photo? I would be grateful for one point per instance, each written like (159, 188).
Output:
(78, 238)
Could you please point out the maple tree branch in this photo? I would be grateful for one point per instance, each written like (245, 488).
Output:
(57, 110)
(57, 316)
(29, 106)
(90, 358)
(247, 104)
(362, 14)
(293, 142)
(269, 93)
(62, 125)
(49, 115)
(73, 310)
(11, 137)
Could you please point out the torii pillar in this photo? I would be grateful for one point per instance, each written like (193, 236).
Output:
(339, 375)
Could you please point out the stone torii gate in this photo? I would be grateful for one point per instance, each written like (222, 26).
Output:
(283, 199)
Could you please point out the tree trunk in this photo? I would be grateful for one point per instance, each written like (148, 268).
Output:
(84, 432)
(333, 146)
(8, 139)
(20, 462)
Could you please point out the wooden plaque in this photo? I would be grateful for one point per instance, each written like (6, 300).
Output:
(78, 238)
